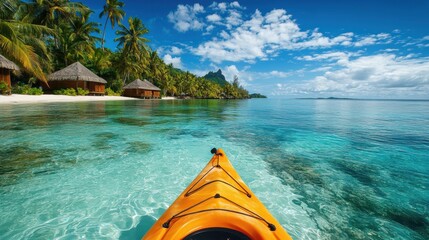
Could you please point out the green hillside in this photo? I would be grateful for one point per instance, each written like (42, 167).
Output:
(216, 77)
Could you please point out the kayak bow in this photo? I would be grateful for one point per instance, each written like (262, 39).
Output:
(217, 205)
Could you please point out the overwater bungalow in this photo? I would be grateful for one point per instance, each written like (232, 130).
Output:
(142, 89)
(6, 67)
(76, 76)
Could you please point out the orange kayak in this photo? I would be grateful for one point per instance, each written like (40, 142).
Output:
(217, 205)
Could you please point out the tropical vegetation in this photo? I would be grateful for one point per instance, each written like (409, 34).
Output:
(4, 88)
(71, 92)
(27, 89)
(42, 36)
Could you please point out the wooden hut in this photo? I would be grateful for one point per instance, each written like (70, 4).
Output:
(142, 89)
(77, 76)
(6, 67)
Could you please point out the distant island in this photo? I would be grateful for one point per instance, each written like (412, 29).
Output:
(257, 95)
(329, 98)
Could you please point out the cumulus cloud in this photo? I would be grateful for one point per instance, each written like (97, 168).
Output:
(173, 50)
(234, 19)
(219, 6)
(176, 51)
(231, 71)
(381, 75)
(186, 18)
(248, 41)
(176, 61)
(235, 4)
(213, 18)
(264, 36)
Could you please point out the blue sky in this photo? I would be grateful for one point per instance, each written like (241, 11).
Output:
(294, 48)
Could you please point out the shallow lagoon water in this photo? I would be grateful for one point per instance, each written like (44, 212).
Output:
(327, 169)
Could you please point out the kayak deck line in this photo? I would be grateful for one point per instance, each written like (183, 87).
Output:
(243, 190)
(217, 204)
(271, 226)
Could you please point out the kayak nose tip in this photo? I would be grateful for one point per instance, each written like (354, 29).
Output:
(272, 227)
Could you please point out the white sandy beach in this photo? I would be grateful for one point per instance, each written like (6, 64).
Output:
(46, 98)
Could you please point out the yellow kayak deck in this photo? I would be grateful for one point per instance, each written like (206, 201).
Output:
(217, 205)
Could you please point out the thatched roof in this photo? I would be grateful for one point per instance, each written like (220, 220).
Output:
(139, 84)
(6, 63)
(76, 72)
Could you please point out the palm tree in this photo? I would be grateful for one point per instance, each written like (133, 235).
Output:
(21, 41)
(132, 40)
(164, 79)
(133, 48)
(101, 61)
(113, 10)
(76, 41)
(50, 12)
(127, 67)
(154, 65)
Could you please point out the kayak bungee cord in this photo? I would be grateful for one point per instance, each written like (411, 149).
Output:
(271, 226)
(214, 151)
(217, 196)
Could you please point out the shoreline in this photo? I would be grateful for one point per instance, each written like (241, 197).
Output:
(50, 98)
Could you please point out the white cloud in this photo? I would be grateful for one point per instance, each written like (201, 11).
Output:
(321, 69)
(250, 40)
(382, 75)
(373, 39)
(235, 4)
(280, 74)
(317, 40)
(219, 6)
(390, 50)
(226, 14)
(213, 18)
(185, 17)
(330, 56)
(209, 29)
(176, 61)
(230, 72)
(234, 19)
(245, 76)
(176, 51)
(264, 36)
(421, 42)
(169, 50)
(341, 58)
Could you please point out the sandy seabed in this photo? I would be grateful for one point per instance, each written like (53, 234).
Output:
(46, 98)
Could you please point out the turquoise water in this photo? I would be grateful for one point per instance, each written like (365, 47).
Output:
(327, 169)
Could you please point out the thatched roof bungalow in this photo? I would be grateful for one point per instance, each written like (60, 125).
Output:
(142, 89)
(6, 66)
(77, 76)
